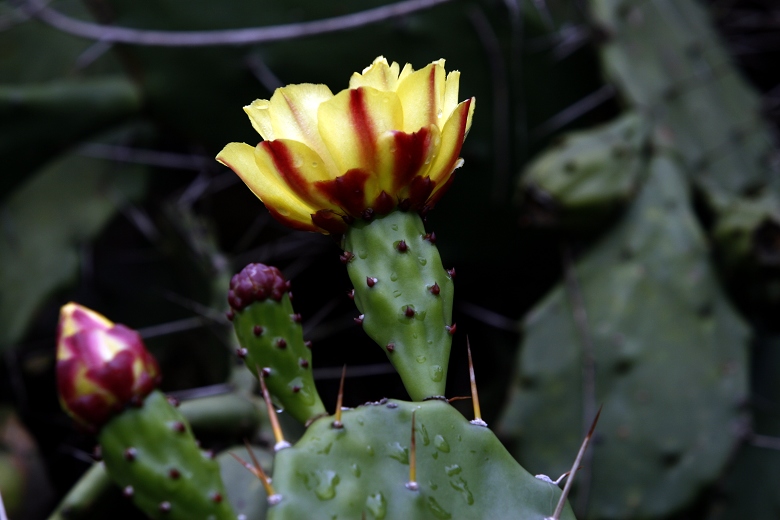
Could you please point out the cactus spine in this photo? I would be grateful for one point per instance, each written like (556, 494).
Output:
(151, 454)
(404, 296)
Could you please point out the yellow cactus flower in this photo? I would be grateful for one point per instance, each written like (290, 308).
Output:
(391, 140)
(102, 367)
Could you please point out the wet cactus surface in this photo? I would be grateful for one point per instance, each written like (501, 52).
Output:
(362, 470)
(404, 297)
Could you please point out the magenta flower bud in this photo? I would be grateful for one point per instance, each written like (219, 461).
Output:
(256, 283)
(101, 367)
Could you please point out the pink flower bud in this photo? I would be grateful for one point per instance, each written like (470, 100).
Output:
(101, 367)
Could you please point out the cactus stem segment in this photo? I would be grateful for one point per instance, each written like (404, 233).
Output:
(339, 400)
(562, 501)
(474, 396)
(278, 435)
(412, 484)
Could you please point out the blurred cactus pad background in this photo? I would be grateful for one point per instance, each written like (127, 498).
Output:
(615, 230)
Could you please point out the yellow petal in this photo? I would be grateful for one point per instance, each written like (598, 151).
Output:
(351, 122)
(296, 166)
(422, 97)
(455, 130)
(293, 112)
(403, 156)
(260, 116)
(451, 87)
(379, 75)
(267, 186)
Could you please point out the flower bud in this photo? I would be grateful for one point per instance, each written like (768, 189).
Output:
(101, 367)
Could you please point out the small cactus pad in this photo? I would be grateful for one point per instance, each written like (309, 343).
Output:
(589, 174)
(271, 338)
(405, 297)
(669, 356)
(151, 454)
(362, 469)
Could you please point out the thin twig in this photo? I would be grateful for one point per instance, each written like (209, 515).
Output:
(588, 371)
(178, 161)
(575, 110)
(352, 372)
(501, 112)
(765, 441)
(38, 9)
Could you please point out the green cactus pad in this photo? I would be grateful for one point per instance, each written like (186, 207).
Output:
(667, 60)
(463, 471)
(670, 359)
(405, 297)
(271, 338)
(151, 454)
(587, 176)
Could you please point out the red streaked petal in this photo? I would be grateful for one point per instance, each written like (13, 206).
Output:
(404, 156)
(268, 186)
(298, 166)
(451, 142)
(419, 192)
(329, 221)
(351, 122)
(422, 96)
(348, 191)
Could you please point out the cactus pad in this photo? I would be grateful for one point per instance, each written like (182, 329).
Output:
(151, 454)
(405, 297)
(361, 470)
(582, 180)
(670, 357)
(271, 338)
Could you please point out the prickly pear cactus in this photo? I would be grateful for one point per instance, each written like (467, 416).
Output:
(670, 358)
(587, 175)
(666, 59)
(271, 338)
(362, 469)
(404, 296)
(151, 454)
